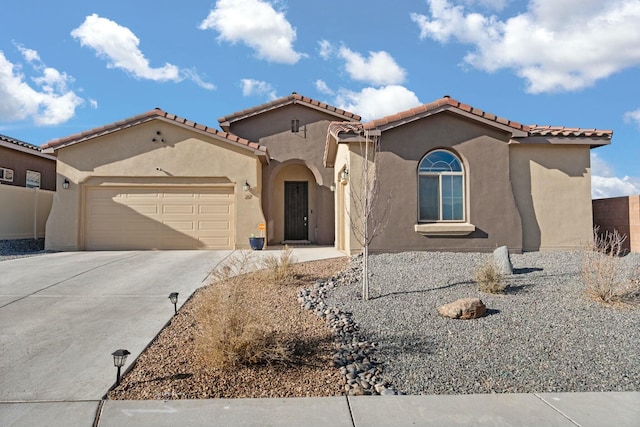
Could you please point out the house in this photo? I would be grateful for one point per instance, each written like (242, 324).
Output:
(449, 177)
(159, 181)
(24, 165)
(452, 177)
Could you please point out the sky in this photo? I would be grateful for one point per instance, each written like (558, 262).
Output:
(67, 67)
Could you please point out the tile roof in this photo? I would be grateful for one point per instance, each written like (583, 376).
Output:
(294, 98)
(443, 103)
(535, 130)
(25, 147)
(446, 103)
(19, 143)
(146, 117)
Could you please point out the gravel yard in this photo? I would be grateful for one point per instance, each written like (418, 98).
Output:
(543, 335)
(21, 248)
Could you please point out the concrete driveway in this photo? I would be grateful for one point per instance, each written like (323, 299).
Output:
(63, 314)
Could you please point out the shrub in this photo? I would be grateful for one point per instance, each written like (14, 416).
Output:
(280, 268)
(230, 333)
(237, 264)
(489, 279)
(601, 273)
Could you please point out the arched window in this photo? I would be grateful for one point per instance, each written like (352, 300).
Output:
(440, 187)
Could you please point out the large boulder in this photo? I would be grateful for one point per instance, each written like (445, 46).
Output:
(502, 260)
(464, 308)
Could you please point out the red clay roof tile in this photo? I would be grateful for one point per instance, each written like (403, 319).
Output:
(294, 98)
(143, 118)
(446, 102)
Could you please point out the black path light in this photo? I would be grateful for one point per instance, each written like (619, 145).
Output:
(173, 297)
(119, 359)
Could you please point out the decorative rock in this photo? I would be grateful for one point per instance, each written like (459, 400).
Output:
(354, 357)
(502, 260)
(465, 308)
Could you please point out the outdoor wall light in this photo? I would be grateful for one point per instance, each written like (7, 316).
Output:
(344, 176)
(246, 187)
(119, 359)
(173, 297)
(65, 184)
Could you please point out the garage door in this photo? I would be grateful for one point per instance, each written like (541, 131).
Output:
(159, 218)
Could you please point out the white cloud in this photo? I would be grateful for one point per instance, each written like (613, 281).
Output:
(605, 184)
(557, 45)
(488, 4)
(379, 69)
(258, 25)
(322, 87)
(326, 49)
(50, 102)
(633, 117)
(120, 47)
(374, 103)
(257, 87)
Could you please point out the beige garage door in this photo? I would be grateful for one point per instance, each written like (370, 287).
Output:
(159, 218)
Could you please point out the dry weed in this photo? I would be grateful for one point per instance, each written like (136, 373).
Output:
(237, 264)
(280, 268)
(601, 273)
(489, 279)
(230, 333)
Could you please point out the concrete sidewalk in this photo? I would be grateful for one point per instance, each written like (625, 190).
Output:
(516, 410)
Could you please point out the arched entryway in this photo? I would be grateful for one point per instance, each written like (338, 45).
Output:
(300, 208)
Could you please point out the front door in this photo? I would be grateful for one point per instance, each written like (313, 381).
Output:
(296, 217)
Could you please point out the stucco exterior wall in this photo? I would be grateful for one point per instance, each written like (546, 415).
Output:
(552, 186)
(621, 214)
(130, 157)
(490, 205)
(23, 212)
(20, 162)
(272, 129)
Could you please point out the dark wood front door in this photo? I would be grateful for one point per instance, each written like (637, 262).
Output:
(296, 216)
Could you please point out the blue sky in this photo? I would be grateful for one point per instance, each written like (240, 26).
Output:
(71, 66)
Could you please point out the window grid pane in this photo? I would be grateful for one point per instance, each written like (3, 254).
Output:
(440, 187)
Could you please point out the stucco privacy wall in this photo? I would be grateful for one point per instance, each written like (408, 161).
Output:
(552, 187)
(621, 214)
(23, 212)
(272, 129)
(490, 205)
(130, 157)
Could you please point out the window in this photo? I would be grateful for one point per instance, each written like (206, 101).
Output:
(6, 174)
(440, 187)
(33, 179)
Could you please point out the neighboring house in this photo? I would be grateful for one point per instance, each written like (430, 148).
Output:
(158, 181)
(451, 177)
(24, 165)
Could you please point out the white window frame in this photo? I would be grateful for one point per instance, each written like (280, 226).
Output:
(6, 174)
(440, 175)
(33, 174)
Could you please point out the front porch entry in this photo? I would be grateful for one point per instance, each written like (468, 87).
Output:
(296, 210)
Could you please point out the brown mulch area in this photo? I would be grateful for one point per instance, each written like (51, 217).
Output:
(171, 369)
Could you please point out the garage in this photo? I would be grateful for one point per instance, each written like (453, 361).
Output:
(155, 217)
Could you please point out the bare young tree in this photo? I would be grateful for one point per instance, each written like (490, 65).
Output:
(367, 218)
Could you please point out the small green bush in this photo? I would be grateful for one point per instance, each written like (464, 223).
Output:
(489, 279)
